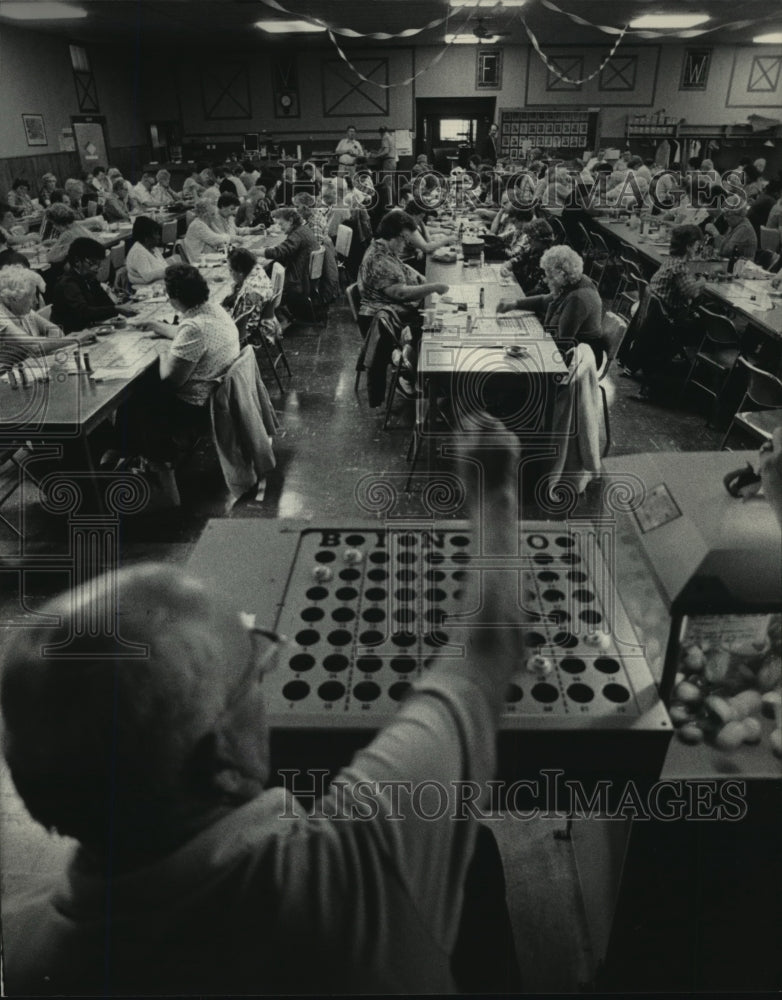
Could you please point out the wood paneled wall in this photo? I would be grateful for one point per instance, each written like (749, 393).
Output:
(32, 168)
(128, 159)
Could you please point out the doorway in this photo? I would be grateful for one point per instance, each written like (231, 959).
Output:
(450, 129)
(165, 141)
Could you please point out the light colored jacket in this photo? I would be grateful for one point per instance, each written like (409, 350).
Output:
(243, 422)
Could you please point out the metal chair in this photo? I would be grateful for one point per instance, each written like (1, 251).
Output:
(354, 299)
(117, 256)
(763, 395)
(766, 259)
(717, 354)
(769, 238)
(315, 273)
(628, 288)
(397, 368)
(179, 249)
(614, 330)
(168, 235)
(560, 236)
(342, 246)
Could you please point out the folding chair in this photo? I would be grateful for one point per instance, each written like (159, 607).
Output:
(766, 259)
(560, 236)
(614, 330)
(317, 258)
(117, 256)
(342, 249)
(717, 353)
(168, 236)
(179, 249)
(763, 394)
(769, 238)
(354, 299)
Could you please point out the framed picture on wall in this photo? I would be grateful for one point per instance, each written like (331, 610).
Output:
(488, 69)
(35, 130)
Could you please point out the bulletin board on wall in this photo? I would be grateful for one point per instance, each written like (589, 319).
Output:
(567, 133)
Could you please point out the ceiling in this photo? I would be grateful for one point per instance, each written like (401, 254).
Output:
(229, 23)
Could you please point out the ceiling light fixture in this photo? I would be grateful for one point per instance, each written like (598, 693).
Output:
(490, 6)
(467, 38)
(45, 11)
(288, 27)
(774, 38)
(669, 20)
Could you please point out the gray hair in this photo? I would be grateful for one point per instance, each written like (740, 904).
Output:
(565, 261)
(17, 283)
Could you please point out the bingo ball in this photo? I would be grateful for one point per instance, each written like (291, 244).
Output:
(679, 714)
(690, 733)
(598, 640)
(694, 659)
(688, 693)
(322, 574)
(730, 737)
(539, 665)
(752, 730)
(353, 556)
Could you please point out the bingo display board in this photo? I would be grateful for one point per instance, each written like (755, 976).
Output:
(366, 610)
(568, 133)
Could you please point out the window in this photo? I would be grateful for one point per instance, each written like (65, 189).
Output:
(79, 60)
(457, 130)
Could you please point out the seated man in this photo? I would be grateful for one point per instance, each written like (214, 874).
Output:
(148, 742)
(142, 195)
(78, 299)
(740, 240)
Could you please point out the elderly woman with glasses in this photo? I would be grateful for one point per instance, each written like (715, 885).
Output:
(572, 310)
(21, 327)
(48, 185)
(162, 192)
(203, 234)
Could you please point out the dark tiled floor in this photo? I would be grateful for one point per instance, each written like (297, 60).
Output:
(335, 463)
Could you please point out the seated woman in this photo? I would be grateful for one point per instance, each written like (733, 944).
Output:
(311, 173)
(384, 281)
(19, 197)
(257, 209)
(225, 220)
(48, 184)
(572, 309)
(420, 243)
(162, 192)
(116, 207)
(204, 344)
(307, 207)
(294, 255)
(11, 232)
(525, 265)
(202, 234)
(673, 283)
(252, 291)
(67, 228)
(21, 328)
(421, 165)
(78, 298)
(145, 261)
(81, 198)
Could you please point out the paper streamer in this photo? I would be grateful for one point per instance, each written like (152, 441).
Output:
(553, 69)
(643, 33)
(402, 83)
(380, 36)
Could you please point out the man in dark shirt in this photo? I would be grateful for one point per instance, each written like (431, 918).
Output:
(79, 299)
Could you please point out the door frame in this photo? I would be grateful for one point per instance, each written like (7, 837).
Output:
(483, 109)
